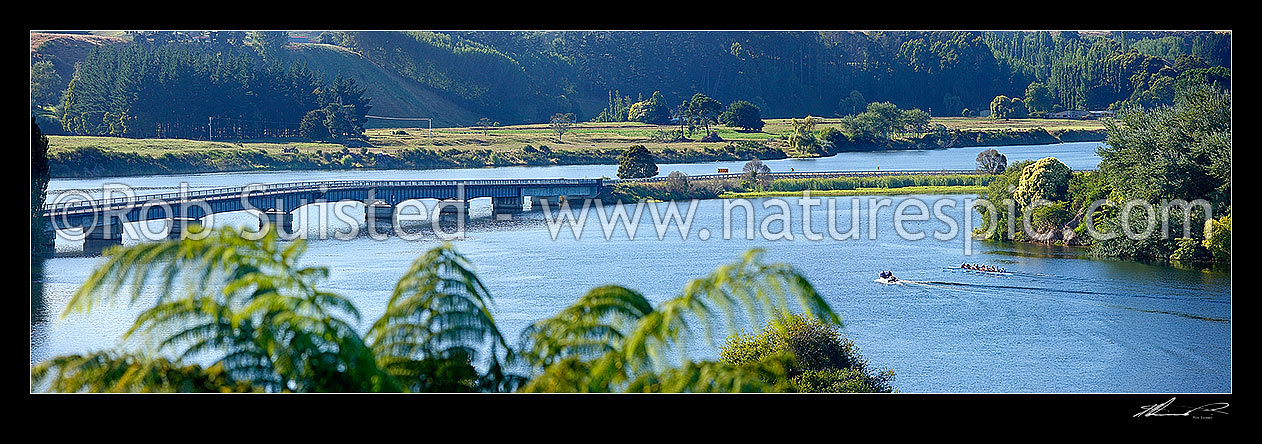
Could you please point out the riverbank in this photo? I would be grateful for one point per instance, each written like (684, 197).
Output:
(523, 145)
(961, 189)
(686, 189)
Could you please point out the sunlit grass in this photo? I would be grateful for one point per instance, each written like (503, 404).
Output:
(581, 136)
(928, 189)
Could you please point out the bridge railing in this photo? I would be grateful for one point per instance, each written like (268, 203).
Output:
(288, 187)
(323, 186)
(811, 175)
(804, 175)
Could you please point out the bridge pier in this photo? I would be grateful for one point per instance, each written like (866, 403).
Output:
(452, 209)
(282, 220)
(378, 212)
(536, 202)
(180, 227)
(99, 237)
(554, 202)
(503, 208)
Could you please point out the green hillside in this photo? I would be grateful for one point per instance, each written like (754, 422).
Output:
(524, 77)
(392, 95)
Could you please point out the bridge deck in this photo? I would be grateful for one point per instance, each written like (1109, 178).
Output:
(294, 194)
(807, 175)
(258, 190)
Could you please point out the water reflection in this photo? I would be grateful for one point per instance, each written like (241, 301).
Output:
(39, 306)
(1076, 155)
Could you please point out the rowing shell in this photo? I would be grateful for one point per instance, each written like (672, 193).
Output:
(997, 273)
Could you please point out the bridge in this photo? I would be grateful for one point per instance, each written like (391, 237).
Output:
(803, 175)
(101, 219)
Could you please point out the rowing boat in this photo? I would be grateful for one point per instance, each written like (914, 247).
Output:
(997, 273)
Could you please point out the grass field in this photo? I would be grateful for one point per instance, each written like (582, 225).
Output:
(582, 136)
(930, 189)
(986, 124)
(155, 147)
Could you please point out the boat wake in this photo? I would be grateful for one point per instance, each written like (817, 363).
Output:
(927, 284)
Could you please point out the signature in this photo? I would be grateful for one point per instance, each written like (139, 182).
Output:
(1161, 410)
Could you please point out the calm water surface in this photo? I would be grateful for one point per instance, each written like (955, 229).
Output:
(1076, 155)
(1067, 324)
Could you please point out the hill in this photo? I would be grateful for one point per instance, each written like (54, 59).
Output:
(63, 50)
(392, 95)
(524, 77)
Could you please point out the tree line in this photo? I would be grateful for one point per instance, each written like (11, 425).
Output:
(218, 89)
(1097, 71)
(526, 77)
(1162, 190)
(791, 73)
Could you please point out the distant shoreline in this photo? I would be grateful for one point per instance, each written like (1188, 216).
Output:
(89, 157)
(896, 191)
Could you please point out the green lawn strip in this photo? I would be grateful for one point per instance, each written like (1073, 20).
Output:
(581, 136)
(927, 189)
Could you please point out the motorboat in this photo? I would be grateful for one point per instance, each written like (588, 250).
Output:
(886, 277)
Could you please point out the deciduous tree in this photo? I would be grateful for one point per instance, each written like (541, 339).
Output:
(636, 162)
(744, 115)
(990, 161)
(1004, 107)
(756, 173)
(561, 123)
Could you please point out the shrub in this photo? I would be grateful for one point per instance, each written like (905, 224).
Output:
(1189, 250)
(1046, 178)
(1218, 238)
(823, 360)
(848, 380)
(1050, 217)
(757, 174)
(677, 183)
(850, 183)
(998, 191)
(833, 136)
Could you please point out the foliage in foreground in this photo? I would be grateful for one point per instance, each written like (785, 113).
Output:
(821, 360)
(238, 315)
